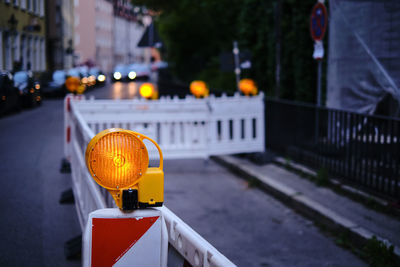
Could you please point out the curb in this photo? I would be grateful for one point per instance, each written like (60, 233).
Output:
(296, 167)
(304, 205)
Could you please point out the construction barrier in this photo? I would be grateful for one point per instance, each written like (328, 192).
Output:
(116, 238)
(184, 128)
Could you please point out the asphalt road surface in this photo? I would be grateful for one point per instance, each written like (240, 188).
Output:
(245, 224)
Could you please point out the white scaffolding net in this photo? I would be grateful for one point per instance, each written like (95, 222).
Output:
(364, 56)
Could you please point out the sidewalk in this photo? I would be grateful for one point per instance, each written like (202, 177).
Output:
(325, 207)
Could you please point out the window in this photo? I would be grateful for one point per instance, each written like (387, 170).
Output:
(43, 55)
(8, 53)
(15, 47)
(77, 39)
(34, 6)
(23, 4)
(1, 51)
(23, 52)
(41, 8)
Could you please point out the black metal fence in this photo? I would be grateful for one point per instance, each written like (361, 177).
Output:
(361, 149)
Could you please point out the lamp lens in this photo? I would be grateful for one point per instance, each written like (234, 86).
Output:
(118, 160)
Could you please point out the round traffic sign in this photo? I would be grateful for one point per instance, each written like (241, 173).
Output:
(318, 21)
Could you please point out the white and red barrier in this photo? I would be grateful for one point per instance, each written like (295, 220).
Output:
(183, 128)
(116, 238)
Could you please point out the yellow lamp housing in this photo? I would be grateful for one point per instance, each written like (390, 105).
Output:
(118, 160)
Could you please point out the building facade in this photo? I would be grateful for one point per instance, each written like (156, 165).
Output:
(94, 26)
(84, 31)
(127, 33)
(22, 35)
(60, 33)
(104, 35)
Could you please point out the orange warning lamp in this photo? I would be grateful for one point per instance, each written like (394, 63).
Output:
(199, 89)
(248, 87)
(118, 160)
(72, 84)
(148, 91)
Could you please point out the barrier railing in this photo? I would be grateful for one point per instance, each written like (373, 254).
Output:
(90, 197)
(185, 128)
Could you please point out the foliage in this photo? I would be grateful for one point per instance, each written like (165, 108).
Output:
(322, 177)
(378, 254)
(196, 32)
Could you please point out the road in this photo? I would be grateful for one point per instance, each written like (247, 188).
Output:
(248, 226)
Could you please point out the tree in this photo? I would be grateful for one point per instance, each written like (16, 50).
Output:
(196, 32)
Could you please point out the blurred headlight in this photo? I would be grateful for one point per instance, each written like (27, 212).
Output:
(101, 78)
(37, 86)
(132, 75)
(117, 75)
(84, 80)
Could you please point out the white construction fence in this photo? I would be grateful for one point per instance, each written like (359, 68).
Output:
(184, 128)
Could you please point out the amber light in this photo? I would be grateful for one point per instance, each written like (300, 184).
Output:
(72, 84)
(248, 87)
(146, 90)
(199, 89)
(117, 158)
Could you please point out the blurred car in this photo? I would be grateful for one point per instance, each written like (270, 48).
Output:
(87, 79)
(75, 82)
(29, 90)
(139, 72)
(56, 87)
(82, 73)
(120, 73)
(98, 75)
(9, 95)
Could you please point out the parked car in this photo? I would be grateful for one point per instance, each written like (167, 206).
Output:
(98, 75)
(88, 80)
(56, 87)
(74, 81)
(29, 89)
(138, 71)
(120, 73)
(9, 95)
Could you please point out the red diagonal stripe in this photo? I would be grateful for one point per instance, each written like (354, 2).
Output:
(112, 238)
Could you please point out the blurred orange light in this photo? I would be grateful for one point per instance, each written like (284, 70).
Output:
(72, 84)
(84, 80)
(37, 86)
(248, 87)
(81, 89)
(199, 89)
(147, 90)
